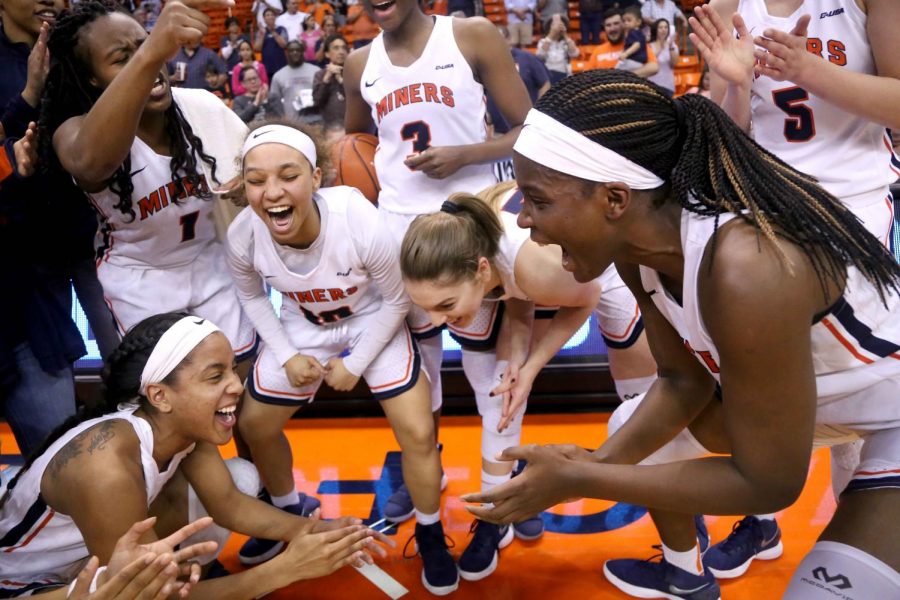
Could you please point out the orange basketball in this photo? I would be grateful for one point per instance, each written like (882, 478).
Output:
(354, 160)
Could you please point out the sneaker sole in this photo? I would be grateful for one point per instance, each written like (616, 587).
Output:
(261, 558)
(770, 554)
(505, 541)
(439, 590)
(638, 592)
(527, 538)
(406, 517)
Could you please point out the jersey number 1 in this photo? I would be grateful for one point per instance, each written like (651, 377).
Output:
(189, 226)
(800, 125)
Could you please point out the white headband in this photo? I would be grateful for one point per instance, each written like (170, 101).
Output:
(176, 343)
(281, 134)
(550, 143)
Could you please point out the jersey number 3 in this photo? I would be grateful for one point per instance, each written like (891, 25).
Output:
(420, 134)
(800, 125)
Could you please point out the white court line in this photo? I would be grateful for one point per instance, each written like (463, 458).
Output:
(383, 581)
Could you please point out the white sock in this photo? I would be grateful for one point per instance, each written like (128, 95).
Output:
(286, 500)
(688, 560)
(426, 519)
(628, 389)
(766, 517)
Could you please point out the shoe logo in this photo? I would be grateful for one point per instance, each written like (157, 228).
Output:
(345, 273)
(133, 173)
(371, 83)
(839, 581)
(447, 66)
(683, 592)
(767, 542)
(831, 13)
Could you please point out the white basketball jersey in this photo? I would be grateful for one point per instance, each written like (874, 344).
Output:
(849, 155)
(508, 249)
(855, 346)
(36, 542)
(339, 286)
(163, 233)
(433, 102)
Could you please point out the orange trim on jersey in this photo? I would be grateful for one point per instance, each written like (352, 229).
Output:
(6, 168)
(122, 329)
(273, 392)
(409, 365)
(33, 533)
(246, 347)
(890, 207)
(846, 343)
(478, 334)
(876, 472)
(628, 330)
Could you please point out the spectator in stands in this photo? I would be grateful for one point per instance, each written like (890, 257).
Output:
(247, 61)
(150, 13)
(259, 9)
(467, 7)
(228, 46)
(520, 20)
(291, 92)
(532, 72)
(271, 42)
(251, 106)
(654, 10)
(634, 55)
(212, 85)
(591, 18)
(704, 88)
(361, 28)
(292, 19)
(329, 28)
(557, 48)
(318, 10)
(310, 36)
(548, 8)
(328, 86)
(606, 55)
(188, 68)
(662, 41)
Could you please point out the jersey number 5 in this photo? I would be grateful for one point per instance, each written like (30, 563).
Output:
(420, 134)
(800, 125)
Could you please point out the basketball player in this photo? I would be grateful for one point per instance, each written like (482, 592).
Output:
(342, 291)
(111, 118)
(825, 87)
(472, 268)
(151, 448)
(421, 83)
(729, 275)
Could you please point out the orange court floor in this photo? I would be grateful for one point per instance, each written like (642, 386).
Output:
(352, 465)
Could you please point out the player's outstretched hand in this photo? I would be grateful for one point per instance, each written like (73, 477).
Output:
(728, 57)
(545, 482)
(783, 56)
(310, 555)
(26, 151)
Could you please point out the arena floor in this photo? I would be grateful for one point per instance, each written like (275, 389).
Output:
(352, 465)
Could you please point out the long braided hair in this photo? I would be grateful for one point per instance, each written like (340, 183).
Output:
(69, 93)
(121, 379)
(713, 168)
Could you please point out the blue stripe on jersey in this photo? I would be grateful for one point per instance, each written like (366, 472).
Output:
(873, 483)
(627, 342)
(843, 312)
(514, 204)
(17, 533)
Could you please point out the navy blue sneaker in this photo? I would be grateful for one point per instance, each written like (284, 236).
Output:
(258, 550)
(399, 507)
(216, 570)
(529, 529)
(648, 579)
(702, 534)
(439, 573)
(750, 539)
(479, 559)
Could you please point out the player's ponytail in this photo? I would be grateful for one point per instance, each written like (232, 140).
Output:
(445, 246)
(121, 379)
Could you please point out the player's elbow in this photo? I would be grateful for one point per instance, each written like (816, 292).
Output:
(776, 492)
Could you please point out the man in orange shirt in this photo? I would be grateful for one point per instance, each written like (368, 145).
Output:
(606, 55)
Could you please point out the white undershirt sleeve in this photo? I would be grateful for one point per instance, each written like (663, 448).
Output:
(251, 291)
(381, 257)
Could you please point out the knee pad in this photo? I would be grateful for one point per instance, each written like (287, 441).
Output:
(491, 408)
(683, 446)
(432, 353)
(835, 570)
(246, 479)
(480, 368)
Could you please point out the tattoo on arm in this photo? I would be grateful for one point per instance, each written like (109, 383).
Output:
(99, 436)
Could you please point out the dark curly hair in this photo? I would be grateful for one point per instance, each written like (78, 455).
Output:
(69, 93)
(711, 167)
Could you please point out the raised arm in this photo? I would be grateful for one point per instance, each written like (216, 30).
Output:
(358, 116)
